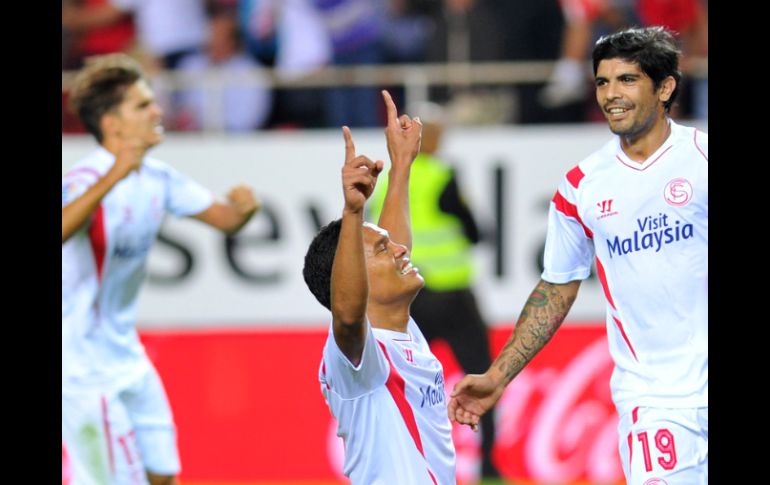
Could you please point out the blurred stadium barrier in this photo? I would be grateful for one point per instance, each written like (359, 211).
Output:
(416, 79)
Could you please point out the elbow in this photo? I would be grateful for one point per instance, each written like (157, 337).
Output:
(66, 233)
(348, 316)
(230, 231)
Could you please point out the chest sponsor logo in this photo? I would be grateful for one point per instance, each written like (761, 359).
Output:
(678, 192)
(433, 394)
(137, 248)
(652, 233)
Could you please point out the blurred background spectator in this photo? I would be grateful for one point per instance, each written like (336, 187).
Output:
(289, 36)
(244, 104)
(356, 28)
(300, 42)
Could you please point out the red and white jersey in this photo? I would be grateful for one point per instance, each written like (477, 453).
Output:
(103, 263)
(646, 226)
(391, 409)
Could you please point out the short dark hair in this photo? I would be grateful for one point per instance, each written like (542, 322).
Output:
(319, 260)
(653, 48)
(100, 87)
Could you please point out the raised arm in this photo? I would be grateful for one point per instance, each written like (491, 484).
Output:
(403, 136)
(79, 211)
(349, 282)
(543, 314)
(229, 217)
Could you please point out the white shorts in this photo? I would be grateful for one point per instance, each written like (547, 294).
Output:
(114, 436)
(665, 446)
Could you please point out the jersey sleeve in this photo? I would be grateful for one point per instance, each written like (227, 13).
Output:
(569, 248)
(185, 196)
(350, 381)
(76, 182)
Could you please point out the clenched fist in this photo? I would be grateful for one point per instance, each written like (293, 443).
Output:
(244, 202)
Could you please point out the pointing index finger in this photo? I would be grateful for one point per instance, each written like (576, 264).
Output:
(350, 147)
(390, 107)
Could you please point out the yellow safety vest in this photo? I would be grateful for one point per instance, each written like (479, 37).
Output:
(439, 247)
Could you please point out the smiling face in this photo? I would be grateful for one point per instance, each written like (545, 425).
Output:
(628, 98)
(137, 117)
(391, 274)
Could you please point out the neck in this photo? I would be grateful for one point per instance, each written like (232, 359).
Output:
(639, 147)
(110, 145)
(113, 145)
(389, 317)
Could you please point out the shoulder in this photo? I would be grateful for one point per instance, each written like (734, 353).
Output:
(692, 137)
(89, 168)
(157, 167)
(575, 177)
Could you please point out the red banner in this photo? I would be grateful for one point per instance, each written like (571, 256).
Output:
(248, 408)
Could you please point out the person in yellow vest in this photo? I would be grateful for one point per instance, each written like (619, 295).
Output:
(443, 231)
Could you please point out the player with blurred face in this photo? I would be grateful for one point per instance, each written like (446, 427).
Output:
(116, 421)
(377, 374)
(638, 208)
(139, 116)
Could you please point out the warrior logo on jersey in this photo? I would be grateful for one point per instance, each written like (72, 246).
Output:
(678, 192)
(605, 208)
(434, 394)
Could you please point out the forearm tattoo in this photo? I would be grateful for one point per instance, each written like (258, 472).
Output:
(542, 315)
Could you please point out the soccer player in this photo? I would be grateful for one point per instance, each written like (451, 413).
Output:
(116, 420)
(377, 373)
(639, 206)
(443, 233)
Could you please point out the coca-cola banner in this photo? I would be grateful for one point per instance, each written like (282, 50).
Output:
(249, 409)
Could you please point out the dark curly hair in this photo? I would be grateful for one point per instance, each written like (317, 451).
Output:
(653, 48)
(319, 260)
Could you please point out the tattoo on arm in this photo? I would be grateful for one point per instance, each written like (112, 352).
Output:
(542, 315)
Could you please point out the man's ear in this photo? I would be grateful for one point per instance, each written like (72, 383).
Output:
(667, 87)
(109, 124)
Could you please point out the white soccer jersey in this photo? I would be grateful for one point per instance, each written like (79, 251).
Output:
(103, 263)
(647, 227)
(391, 410)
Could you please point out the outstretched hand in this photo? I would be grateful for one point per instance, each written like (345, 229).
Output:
(243, 200)
(473, 396)
(402, 133)
(359, 175)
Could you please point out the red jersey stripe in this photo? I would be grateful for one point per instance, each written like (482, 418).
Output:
(625, 337)
(397, 388)
(603, 280)
(575, 175)
(98, 238)
(570, 210)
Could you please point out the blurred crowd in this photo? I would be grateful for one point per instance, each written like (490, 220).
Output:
(296, 38)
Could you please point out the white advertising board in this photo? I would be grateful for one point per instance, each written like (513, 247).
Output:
(198, 278)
